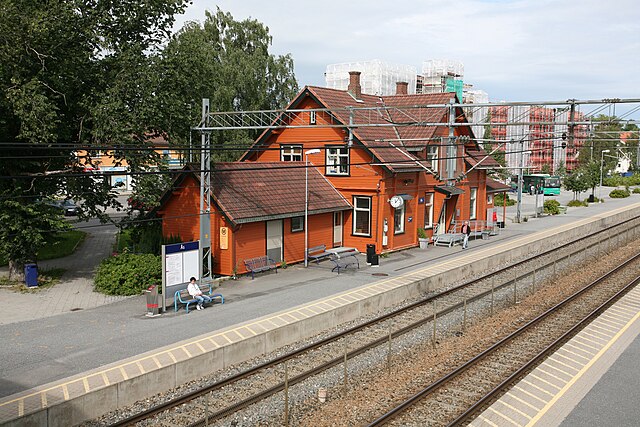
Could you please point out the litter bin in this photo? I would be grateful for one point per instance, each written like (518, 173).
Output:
(375, 261)
(31, 275)
(152, 301)
(371, 251)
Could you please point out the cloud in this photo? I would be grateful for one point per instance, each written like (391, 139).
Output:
(515, 50)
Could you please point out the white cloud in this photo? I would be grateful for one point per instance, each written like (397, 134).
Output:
(515, 50)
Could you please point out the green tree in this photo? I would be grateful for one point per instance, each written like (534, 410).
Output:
(575, 182)
(73, 73)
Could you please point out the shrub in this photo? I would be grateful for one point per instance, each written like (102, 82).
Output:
(551, 207)
(421, 233)
(636, 190)
(619, 194)
(576, 203)
(497, 200)
(128, 274)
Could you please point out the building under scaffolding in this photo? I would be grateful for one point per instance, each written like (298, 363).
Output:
(377, 78)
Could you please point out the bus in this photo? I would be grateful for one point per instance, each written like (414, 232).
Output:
(541, 183)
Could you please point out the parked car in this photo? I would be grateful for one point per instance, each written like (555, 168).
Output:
(66, 207)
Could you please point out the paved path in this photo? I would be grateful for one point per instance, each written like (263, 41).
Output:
(75, 290)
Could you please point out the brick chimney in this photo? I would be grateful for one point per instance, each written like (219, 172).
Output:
(402, 88)
(354, 84)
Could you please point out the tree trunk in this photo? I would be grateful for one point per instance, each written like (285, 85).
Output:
(16, 271)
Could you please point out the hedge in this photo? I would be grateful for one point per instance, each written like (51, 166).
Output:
(128, 274)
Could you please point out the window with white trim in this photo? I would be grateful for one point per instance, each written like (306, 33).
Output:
(337, 161)
(297, 224)
(428, 210)
(291, 153)
(398, 220)
(432, 156)
(473, 203)
(361, 216)
(312, 117)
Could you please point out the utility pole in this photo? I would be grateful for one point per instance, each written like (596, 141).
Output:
(205, 196)
(521, 166)
(451, 147)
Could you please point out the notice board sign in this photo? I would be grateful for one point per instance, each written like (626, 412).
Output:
(180, 262)
(224, 238)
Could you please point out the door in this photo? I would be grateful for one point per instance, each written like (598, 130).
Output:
(337, 229)
(274, 240)
(442, 221)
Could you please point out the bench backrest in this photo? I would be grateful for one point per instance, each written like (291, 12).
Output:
(184, 295)
(253, 263)
(317, 249)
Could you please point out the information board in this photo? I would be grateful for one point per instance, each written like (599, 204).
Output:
(180, 262)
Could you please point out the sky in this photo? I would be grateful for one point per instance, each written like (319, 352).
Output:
(526, 50)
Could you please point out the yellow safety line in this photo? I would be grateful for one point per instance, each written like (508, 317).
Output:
(584, 343)
(513, 396)
(593, 335)
(170, 353)
(212, 341)
(573, 353)
(43, 399)
(550, 374)
(535, 386)
(583, 370)
(85, 383)
(184, 348)
(486, 420)
(200, 347)
(550, 366)
(605, 327)
(155, 359)
(514, 409)
(140, 367)
(616, 320)
(65, 392)
(533, 375)
(123, 372)
(517, 387)
(20, 407)
(554, 360)
(503, 416)
(105, 378)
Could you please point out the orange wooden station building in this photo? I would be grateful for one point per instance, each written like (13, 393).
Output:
(371, 185)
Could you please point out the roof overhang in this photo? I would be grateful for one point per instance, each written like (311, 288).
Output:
(449, 190)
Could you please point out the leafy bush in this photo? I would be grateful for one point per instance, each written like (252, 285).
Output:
(576, 203)
(619, 194)
(551, 207)
(617, 180)
(128, 274)
(421, 233)
(636, 190)
(497, 200)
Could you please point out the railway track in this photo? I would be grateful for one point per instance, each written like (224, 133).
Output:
(457, 396)
(503, 287)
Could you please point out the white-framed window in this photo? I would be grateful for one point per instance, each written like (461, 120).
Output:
(432, 156)
(361, 216)
(398, 220)
(312, 117)
(473, 203)
(291, 153)
(428, 210)
(337, 161)
(297, 224)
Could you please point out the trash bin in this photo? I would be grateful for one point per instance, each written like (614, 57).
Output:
(375, 260)
(371, 251)
(31, 275)
(152, 301)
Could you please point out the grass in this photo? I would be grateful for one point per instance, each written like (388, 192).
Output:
(58, 246)
(46, 279)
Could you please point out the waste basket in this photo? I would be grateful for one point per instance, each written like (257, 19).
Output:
(375, 261)
(31, 275)
(371, 251)
(152, 301)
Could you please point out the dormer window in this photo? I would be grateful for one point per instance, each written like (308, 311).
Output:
(312, 117)
(291, 153)
(432, 156)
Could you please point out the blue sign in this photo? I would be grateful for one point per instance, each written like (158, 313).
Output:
(181, 247)
(421, 200)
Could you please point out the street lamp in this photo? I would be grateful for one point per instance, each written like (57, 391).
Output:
(306, 201)
(601, 170)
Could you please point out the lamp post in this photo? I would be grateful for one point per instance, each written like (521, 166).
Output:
(601, 170)
(306, 201)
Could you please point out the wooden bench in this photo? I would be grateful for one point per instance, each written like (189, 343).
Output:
(259, 264)
(343, 260)
(183, 297)
(317, 253)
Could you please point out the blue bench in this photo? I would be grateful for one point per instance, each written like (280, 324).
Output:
(343, 260)
(317, 253)
(259, 264)
(183, 297)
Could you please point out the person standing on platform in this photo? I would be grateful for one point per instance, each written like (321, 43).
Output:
(466, 231)
(196, 293)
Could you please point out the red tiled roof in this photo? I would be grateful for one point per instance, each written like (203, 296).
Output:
(251, 192)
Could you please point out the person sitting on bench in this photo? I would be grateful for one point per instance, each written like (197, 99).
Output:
(196, 293)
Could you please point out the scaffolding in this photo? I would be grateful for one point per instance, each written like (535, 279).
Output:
(377, 78)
